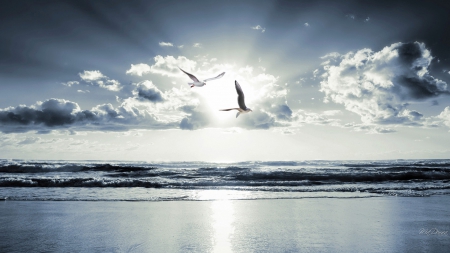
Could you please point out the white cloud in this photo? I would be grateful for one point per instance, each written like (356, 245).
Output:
(258, 27)
(180, 46)
(306, 24)
(379, 86)
(262, 92)
(112, 85)
(70, 83)
(165, 44)
(333, 55)
(139, 69)
(95, 77)
(89, 76)
(166, 66)
(83, 91)
(444, 116)
(198, 45)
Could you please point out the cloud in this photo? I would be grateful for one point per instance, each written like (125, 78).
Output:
(314, 118)
(281, 111)
(89, 76)
(70, 83)
(333, 55)
(371, 129)
(306, 24)
(195, 119)
(146, 90)
(379, 86)
(54, 114)
(259, 120)
(95, 77)
(350, 16)
(258, 27)
(29, 140)
(269, 105)
(112, 85)
(165, 44)
(139, 69)
(262, 93)
(198, 45)
(166, 66)
(83, 91)
(444, 116)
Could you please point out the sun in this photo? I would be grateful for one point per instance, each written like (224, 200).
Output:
(221, 93)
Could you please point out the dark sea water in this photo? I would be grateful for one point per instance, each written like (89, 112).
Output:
(162, 181)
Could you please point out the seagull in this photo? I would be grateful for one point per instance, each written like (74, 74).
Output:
(242, 108)
(197, 82)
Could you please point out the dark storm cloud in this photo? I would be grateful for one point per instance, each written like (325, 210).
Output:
(51, 113)
(54, 114)
(150, 93)
(380, 85)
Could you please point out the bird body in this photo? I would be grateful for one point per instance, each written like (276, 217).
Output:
(241, 101)
(198, 83)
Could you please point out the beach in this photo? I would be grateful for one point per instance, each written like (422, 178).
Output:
(377, 224)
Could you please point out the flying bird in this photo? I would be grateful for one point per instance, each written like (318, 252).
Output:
(199, 83)
(242, 108)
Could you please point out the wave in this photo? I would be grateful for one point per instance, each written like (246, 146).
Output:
(274, 175)
(254, 181)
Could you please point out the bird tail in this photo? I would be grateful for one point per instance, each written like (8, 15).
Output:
(225, 109)
(237, 114)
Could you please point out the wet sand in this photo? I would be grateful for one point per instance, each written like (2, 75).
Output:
(381, 224)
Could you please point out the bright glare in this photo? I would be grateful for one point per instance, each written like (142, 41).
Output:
(222, 223)
(221, 195)
(221, 94)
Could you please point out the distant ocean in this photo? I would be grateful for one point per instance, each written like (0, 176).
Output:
(169, 181)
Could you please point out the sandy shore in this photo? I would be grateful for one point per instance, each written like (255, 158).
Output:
(383, 224)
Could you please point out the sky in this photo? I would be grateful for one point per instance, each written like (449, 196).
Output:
(100, 80)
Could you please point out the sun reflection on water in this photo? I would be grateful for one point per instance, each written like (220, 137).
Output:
(223, 225)
(221, 195)
(222, 216)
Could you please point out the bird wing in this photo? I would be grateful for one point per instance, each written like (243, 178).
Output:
(214, 78)
(190, 75)
(229, 109)
(240, 93)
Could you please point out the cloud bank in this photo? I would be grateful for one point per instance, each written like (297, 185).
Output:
(54, 114)
(379, 86)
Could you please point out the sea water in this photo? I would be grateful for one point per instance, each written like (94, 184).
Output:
(168, 181)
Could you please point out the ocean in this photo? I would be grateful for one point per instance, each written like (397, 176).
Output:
(41, 180)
